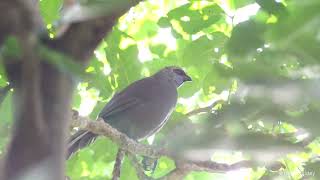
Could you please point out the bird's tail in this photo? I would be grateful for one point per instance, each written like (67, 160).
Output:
(80, 140)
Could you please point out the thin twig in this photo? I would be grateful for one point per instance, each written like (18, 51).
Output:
(139, 169)
(117, 165)
(203, 109)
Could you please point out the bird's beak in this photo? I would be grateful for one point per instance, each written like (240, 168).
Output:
(187, 78)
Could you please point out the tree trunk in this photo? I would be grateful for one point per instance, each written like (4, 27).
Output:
(43, 91)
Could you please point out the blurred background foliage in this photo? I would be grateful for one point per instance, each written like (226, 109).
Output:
(257, 61)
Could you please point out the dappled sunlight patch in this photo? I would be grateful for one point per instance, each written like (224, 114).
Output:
(89, 99)
(240, 174)
(189, 103)
(243, 14)
(164, 36)
(144, 52)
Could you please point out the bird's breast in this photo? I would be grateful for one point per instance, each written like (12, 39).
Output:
(161, 102)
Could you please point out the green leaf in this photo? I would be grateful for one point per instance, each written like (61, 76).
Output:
(97, 79)
(11, 48)
(94, 161)
(273, 7)
(6, 110)
(128, 171)
(193, 21)
(6, 119)
(179, 12)
(3, 93)
(164, 22)
(176, 34)
(76, 100)
(50, 10)
(202, 51)
(158, 49)
(147, 29)
(204, 176)
(216, 82)
(246, 38)
(164, 166)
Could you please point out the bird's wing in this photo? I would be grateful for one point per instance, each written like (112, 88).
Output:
(119, 104)
(136, 94)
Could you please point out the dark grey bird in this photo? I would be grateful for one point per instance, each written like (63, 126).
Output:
(141, 109)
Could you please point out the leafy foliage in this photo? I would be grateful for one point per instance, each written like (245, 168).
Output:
(264, 67)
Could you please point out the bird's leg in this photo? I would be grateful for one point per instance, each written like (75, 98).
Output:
(139, 169)
(149, 164)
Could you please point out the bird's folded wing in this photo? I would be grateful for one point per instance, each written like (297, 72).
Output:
(118, 104)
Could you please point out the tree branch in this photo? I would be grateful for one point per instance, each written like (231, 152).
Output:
(82, 37)
(206, 109)
(122, 140)
(30, 130)
(183, 167)
(117, 165)
(18, 16)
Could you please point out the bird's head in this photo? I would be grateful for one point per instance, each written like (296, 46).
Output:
(176, 75)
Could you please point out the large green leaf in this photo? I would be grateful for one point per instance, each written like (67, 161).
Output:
(246, 38)
(194, 20)
(202, 50)
(50, 10)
